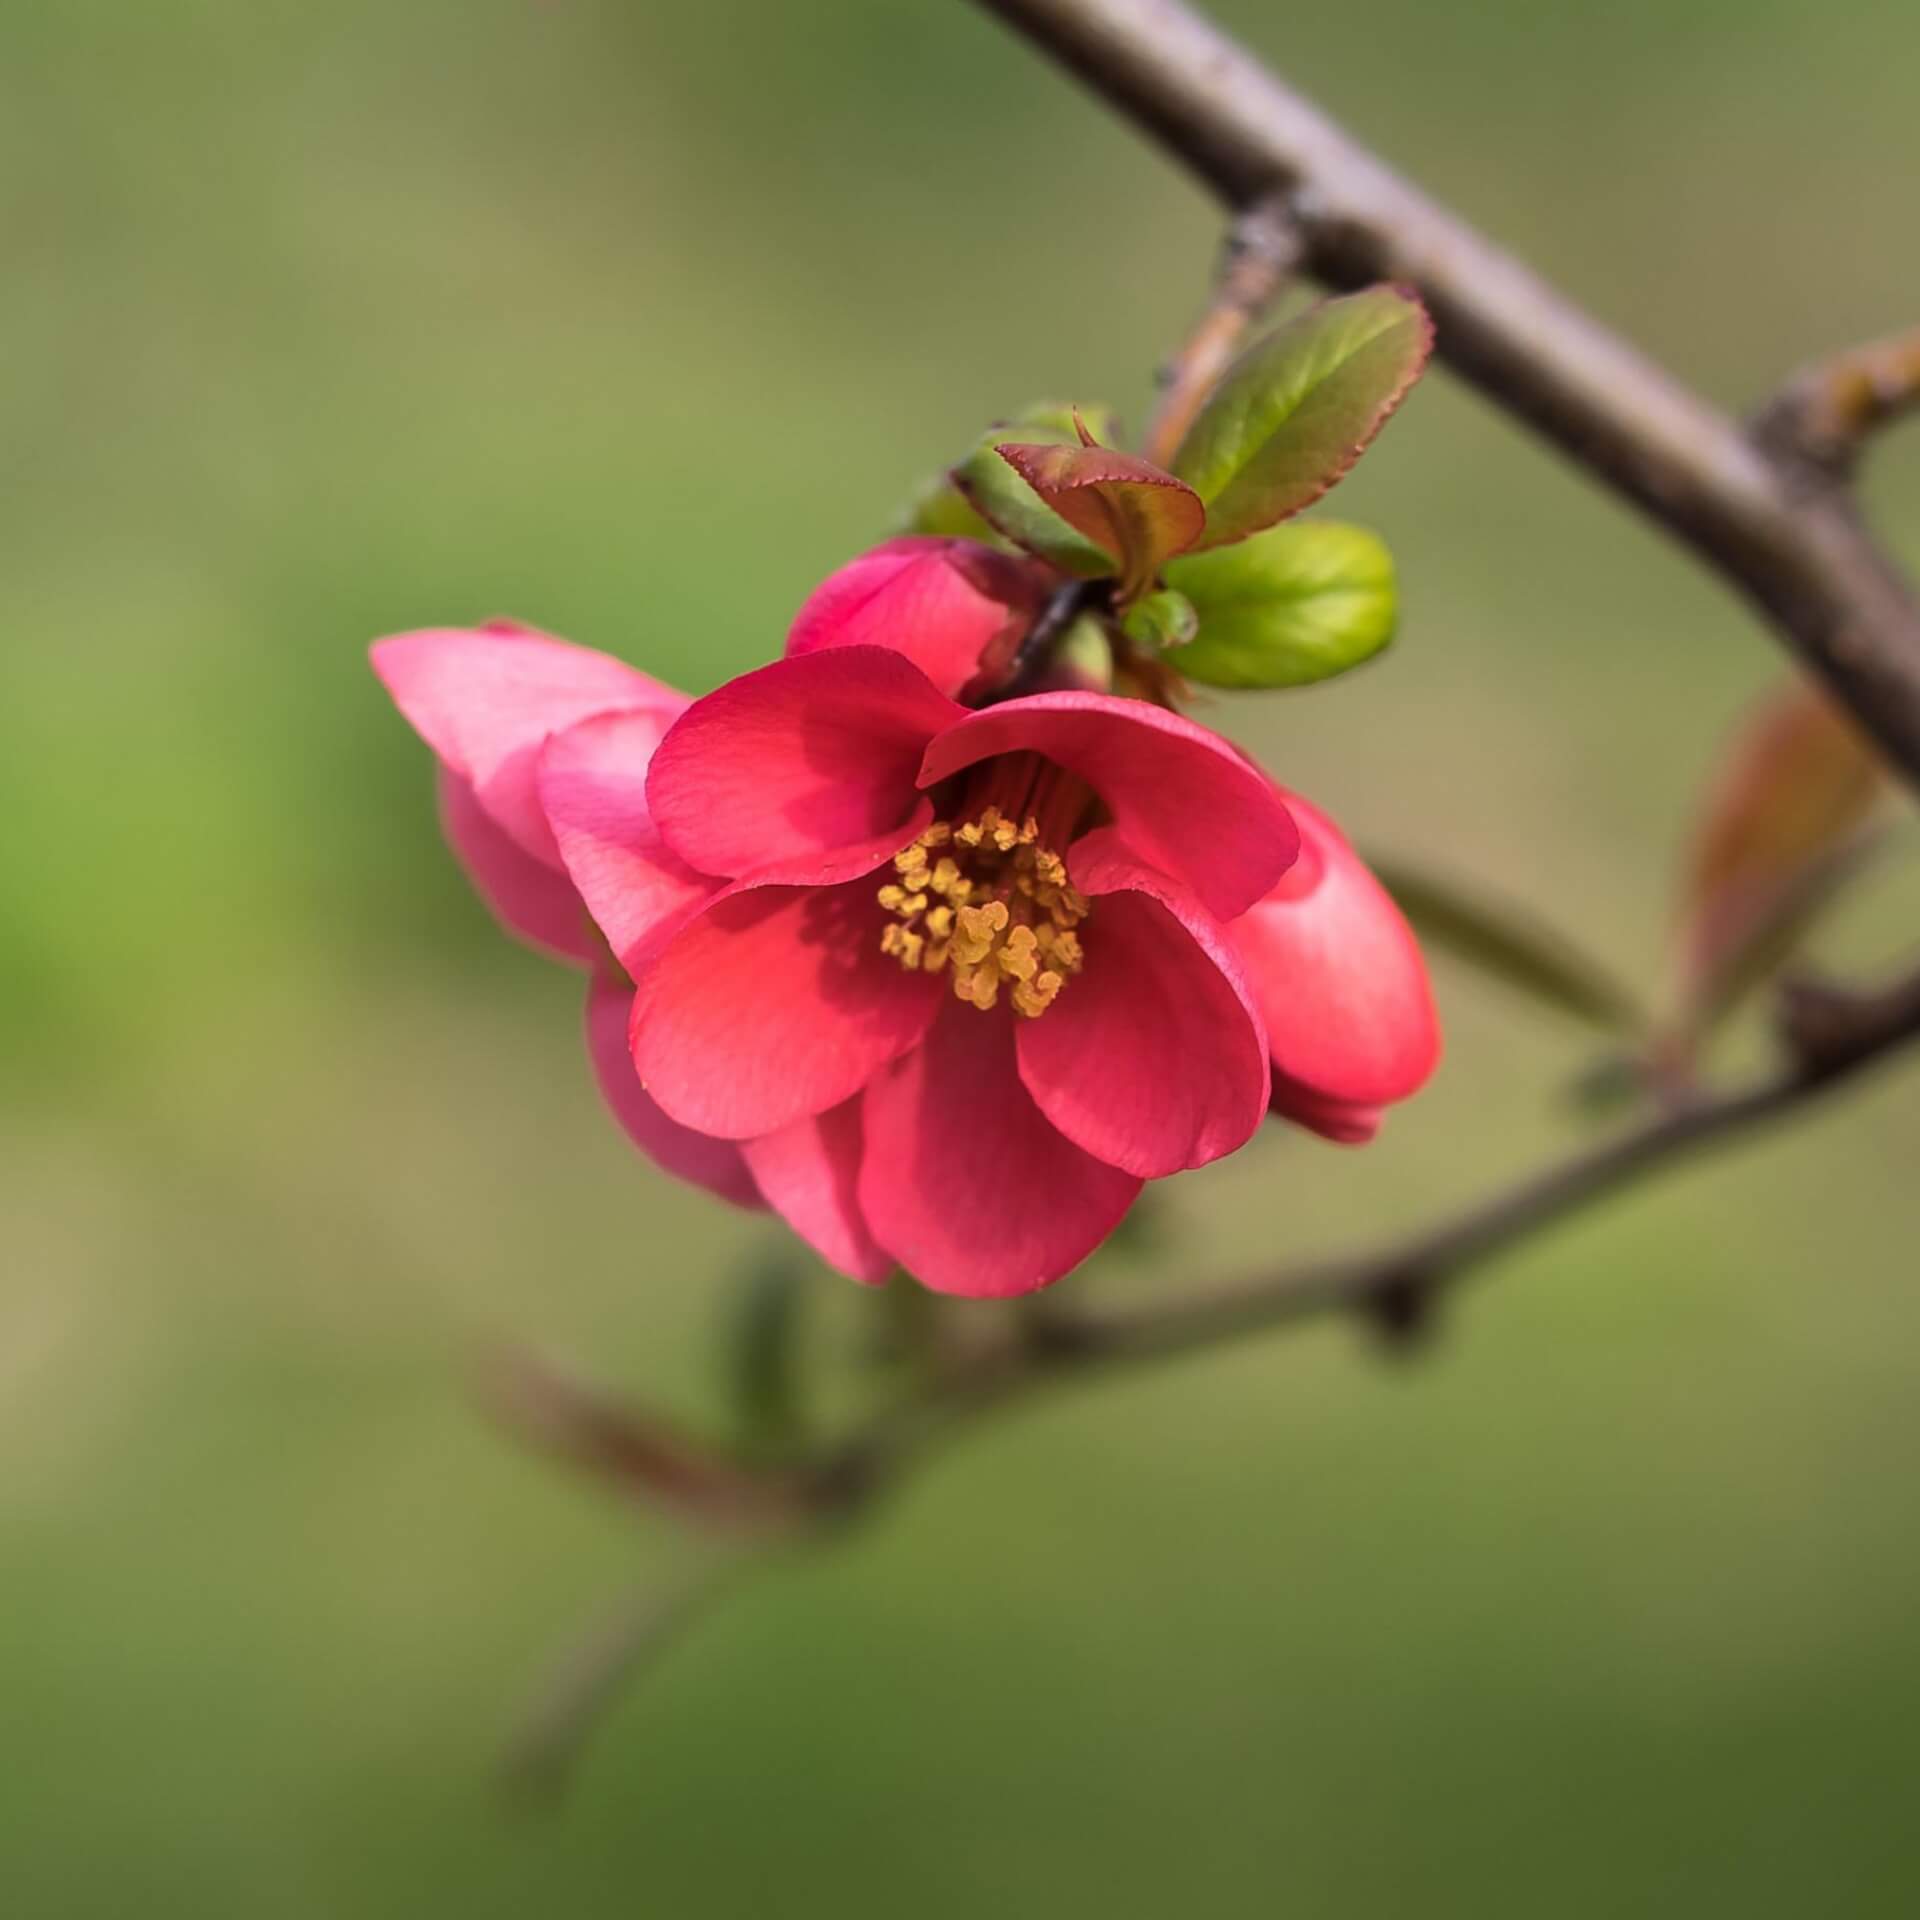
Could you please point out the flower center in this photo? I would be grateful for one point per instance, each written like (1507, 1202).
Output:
(988, 896)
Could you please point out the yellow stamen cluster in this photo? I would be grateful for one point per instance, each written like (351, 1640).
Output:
(988, 900)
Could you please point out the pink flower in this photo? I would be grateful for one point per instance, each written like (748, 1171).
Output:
(943, 986)
(487, 700)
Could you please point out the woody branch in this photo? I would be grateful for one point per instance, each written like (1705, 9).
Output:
(1773, 523)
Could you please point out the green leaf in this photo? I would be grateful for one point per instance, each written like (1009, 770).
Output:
(763, 1338)
(1512, 945)
(1291, 605)
(1297, 409)
(1129, 508)
(1008, 504)
(1161, 620)
(940, 508)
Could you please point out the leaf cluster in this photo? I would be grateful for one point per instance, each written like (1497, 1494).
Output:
(1207, 563)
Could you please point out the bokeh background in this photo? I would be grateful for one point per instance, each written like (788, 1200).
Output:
(633, 319)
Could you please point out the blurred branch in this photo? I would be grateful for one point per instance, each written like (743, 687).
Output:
(1827, 413)
(589, 1674)
(1797, 550)
(1831, 1035)
(1263, 248)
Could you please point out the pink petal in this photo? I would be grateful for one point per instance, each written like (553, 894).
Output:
(593, 789)
(485, 698)
(527, 897)
(1152, 1058)
(805, 757)
(1340, 1121)
(717, 1165)
(774, 1003)
(940, 602)
(1184, 800)
(810, 1174)
(1341, 986)
(966, 1180)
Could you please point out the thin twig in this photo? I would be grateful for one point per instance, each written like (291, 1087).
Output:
(1064, 606)
(1263, 247)
(1834, 1035)
(1826, 414)
(1800, 554)
(584, 1682)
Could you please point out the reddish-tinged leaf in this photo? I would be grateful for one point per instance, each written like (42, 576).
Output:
(1779, 829)
(638, 1454)
(1298, 408)
(1129, 508)
(1772, 933)
(1012, 509)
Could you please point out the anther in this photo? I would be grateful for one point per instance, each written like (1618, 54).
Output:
(1005, 912)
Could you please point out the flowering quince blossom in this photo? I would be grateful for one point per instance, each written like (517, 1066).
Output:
(943, 984)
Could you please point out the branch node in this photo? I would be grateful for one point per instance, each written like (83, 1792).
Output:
(1403, 1312)
(1829, 1029)
(1821, 420)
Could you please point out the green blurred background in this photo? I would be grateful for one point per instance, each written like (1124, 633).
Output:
(633, 319)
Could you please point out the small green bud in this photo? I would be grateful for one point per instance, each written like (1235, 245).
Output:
(1163, 619)
(1082, 659)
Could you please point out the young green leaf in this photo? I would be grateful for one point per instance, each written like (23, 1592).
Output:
(1133, 511)
(1291, 605)
(1298, 408)
(1004, 499)
(940, 508)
